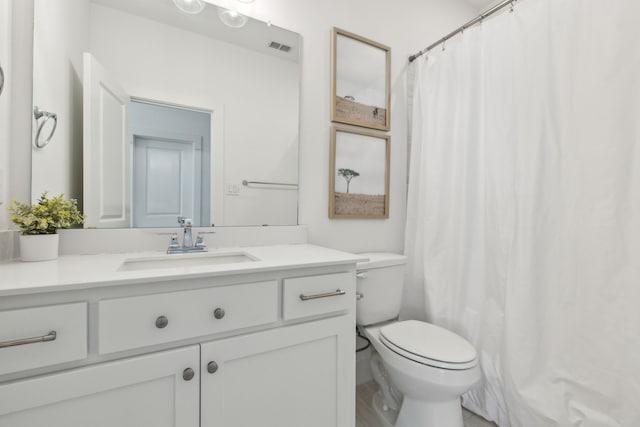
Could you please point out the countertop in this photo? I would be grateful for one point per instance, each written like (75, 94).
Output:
(71, 272)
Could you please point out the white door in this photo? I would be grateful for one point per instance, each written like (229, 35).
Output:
(106, 150)
(288, 377)
(143, 391)
(166, 181)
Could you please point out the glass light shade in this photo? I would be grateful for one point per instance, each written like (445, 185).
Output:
(190, 6)
(232, 18)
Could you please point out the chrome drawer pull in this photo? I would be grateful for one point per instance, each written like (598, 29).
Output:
(162, 322)
(188, 374)
(51, 336)
(218, 313)
(337, 292)
(212, 367)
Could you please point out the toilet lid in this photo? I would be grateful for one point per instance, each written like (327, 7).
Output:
(429, 344)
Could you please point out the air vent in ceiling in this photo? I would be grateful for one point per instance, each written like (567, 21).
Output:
(280, 46)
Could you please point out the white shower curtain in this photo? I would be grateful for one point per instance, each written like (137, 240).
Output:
(523, 227)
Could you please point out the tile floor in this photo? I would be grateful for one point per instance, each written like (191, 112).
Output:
(365, 417)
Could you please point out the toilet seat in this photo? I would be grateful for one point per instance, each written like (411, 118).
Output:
(429, 345)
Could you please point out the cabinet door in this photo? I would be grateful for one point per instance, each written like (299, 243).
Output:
(295, 376)
(141, 391)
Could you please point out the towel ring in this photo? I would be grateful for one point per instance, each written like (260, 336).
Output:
(37, 114)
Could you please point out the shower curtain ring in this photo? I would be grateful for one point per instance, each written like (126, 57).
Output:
(511, 9)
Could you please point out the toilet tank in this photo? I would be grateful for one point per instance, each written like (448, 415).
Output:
(379, 287)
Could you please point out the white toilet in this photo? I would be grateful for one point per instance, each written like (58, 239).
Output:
(422, 369)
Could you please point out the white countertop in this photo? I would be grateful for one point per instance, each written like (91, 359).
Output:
(71, 272)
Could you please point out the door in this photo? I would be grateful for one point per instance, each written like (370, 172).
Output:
(143, 391)
(106, 150)
(294, 376)
(166, 181)
(171, 164)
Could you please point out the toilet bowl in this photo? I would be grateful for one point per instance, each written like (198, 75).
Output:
(431, 387)
(429, 366)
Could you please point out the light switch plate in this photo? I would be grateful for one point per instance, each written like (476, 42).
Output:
(233, 189)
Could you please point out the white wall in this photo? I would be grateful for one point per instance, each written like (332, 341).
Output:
(16, 122)
(406, 27)
(63, 34)
(5, 62)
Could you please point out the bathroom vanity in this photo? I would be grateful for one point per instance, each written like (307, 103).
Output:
(259, 336)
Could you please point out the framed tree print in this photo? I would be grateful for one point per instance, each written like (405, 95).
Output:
(360, 82)
(359, 174)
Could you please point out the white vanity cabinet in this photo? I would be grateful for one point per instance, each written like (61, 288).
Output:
(149, 390)
(286, 377)
(269, 349)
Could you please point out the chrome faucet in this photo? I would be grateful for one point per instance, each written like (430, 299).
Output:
(187, 239)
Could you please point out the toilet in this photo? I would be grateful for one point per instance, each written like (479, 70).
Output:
(422, 369)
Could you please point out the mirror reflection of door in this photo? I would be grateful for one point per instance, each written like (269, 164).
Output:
(171, 174)
(105, 148)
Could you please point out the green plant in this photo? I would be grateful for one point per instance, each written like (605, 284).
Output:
(46, 216)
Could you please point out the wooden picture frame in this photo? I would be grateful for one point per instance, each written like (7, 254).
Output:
(360, 81)
(359, 173)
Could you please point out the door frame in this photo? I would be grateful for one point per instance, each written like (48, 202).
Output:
(216, 113)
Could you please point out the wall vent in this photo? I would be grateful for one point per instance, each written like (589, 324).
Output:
(279, 46)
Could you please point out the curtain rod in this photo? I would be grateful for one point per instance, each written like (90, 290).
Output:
(459, 30)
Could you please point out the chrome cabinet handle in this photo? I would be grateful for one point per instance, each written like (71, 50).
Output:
(188, 374)
(212, 367)
(162, 322)
(336, 293)
(361, 275)
(218, 313)
(51, 336)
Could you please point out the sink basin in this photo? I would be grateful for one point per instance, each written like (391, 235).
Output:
(185, 260)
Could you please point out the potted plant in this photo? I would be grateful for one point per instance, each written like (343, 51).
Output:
(40, 222)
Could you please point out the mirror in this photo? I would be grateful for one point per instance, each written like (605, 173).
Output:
(163, 114)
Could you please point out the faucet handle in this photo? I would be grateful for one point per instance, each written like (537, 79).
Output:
(185, 222)
(200, 242)
(174, 241)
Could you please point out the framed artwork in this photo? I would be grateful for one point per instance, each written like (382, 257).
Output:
(359, 174)
(360, 82)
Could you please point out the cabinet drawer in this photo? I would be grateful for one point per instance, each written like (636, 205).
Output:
(35, 337)
(314, 295)
(127, 323)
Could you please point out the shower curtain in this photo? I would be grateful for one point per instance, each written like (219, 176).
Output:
(523, 225)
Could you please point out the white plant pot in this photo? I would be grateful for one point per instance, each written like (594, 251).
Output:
(39, 247)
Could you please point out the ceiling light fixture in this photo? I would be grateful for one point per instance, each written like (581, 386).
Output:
(191, 7)
(232, 18)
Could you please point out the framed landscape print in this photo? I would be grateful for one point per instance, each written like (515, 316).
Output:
(360, 92)
(359, 174)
